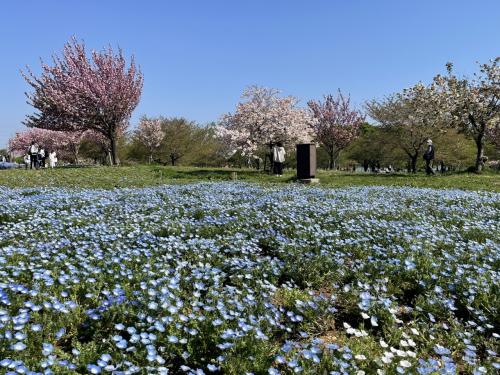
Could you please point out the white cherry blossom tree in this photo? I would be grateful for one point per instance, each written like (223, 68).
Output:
(473, 105)
(264, 118)
(150, 134)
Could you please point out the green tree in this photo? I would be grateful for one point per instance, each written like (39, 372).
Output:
(454, 149)
(410, 117)
(375, 146)
(187, 143)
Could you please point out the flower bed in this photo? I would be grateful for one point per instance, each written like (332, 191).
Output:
(235, 278)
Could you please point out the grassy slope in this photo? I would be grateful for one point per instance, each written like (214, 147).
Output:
(140, 176)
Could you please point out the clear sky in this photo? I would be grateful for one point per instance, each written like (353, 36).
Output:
(198, 56)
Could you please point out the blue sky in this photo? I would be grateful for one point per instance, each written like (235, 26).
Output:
(198, 56)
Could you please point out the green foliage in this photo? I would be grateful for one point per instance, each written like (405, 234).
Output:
(376, 145)
(186, 143)
(454, 149)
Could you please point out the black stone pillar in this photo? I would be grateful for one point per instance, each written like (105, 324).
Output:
(306, 161)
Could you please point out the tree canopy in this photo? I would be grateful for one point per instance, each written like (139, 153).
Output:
(81, 93)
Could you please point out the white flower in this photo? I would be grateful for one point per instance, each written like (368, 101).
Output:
(405, 363)
(387, 357)
(400, 353)
(412, 354)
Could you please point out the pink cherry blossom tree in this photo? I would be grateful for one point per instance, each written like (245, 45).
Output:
(59, 141)
(82, 93)
(472, 106)
(150, 134)
(263, 118)
(337, 124)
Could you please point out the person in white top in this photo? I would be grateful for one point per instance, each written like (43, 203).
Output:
(52, 159)
(41, 157)
(27, 160)
(278, 158)
(33, 152)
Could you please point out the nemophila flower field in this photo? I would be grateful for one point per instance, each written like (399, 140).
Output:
(241, 278)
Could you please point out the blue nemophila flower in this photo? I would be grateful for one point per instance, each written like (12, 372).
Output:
(106, 357)
(217, 322)
(173, 339)
(212, 368)
(5, 362)
(18, 346)
(47, 348)
(121, 344)
(441, 350)
(20, 336)
(94, 369)
(60, 333)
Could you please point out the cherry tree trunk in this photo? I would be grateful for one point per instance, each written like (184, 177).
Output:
(333, 155)
(271, 159)
(413, 163)
(75, 151)
(114, 157)
(480, 152)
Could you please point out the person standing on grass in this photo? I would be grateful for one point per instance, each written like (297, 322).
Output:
(52, 159)
(33, 153)
(429, 157)
(27, 160)
(278, 158)
(41, 157)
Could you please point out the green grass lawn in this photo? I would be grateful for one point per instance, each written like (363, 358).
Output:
(141, 176)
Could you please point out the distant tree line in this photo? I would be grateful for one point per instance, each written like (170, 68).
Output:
(83, 104)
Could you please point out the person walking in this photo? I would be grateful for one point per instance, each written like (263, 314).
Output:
(52, 159)
(33, 153)
(429, 157)
(278, 158)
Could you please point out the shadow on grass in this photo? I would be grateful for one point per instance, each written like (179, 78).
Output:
(367, 175)
(211, 174)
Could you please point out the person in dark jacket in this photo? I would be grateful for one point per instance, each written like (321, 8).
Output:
(429, 157)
